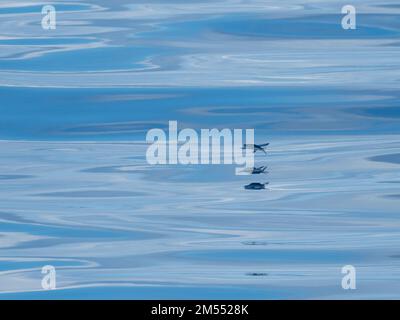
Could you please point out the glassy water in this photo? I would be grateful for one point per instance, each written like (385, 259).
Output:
(77, 193)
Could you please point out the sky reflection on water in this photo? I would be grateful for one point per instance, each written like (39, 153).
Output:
(76, 191)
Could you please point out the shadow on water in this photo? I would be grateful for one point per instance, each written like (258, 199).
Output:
(256, 186)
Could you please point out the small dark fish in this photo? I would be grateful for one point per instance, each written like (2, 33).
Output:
(255, 243)
(257, 274)
(256, 147)
(259, 170)
(256, 186)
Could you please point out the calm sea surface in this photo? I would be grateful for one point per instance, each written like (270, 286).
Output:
(77, 193)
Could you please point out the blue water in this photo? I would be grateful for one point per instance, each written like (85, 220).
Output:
(76, 191)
